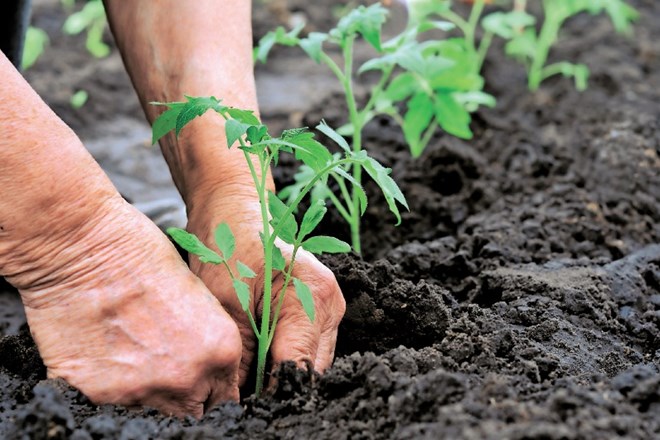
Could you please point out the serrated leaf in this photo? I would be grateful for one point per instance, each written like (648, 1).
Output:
(244, 270)
(243, 293)
(312, 218)
(305, 297)
(390, 189)
(288, 227)
(193, 245)
(165, 123)
(311, 152)
(195, 107)
(332, 134)
(256, 134)
(225, 240)
(313, 45)
(234, 130)
(325, 244)
(366, 21)
(244, 116)
(279, 263)
(278, 36)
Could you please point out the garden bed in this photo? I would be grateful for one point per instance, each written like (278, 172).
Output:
(519, 298)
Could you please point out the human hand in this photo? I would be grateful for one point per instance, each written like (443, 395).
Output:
(296, 338)
(118, 315)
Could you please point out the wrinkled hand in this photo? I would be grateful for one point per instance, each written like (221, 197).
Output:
(118, 315)
(296, 338)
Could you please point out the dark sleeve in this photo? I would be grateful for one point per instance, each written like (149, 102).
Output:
(14, 20)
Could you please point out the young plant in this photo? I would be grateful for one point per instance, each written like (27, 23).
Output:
(91, 18)
(278, 220)
(434, 80)
(532, 48)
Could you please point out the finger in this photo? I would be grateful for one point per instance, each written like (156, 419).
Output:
(223, 390)
(326, 350)
(296, 337)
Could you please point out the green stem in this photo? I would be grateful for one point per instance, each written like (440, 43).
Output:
(344, 190)
(484, 45)
(473, 21)
(376, 91)
(249, 312)
(357, 123)
(457, 20)
(280, 301)
(548, 35)
(343, 211)
(262, 337)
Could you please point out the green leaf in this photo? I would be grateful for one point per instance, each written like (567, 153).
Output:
(401, 87)
(366, 21)
(79, 99)
(332, 134)
(243, 293)
(166, 122)
(310, 151)
(313, 45)
(391, 191)
(225, 240)
(278, 36)
(472, 100)
(452, 117)
(507, 24)
(312, 218)
(416, 120)
(522, 46)
(194, 107)
(288, 224)
(234, 130)
(325, 244)
(244, 271)
(36, 40)
(244, 116)
(279, 263)
(419, 10)
(304, 294)
(193, 245)
(256, 134)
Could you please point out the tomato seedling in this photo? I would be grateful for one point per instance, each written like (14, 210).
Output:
(532, 47)
(242, 127)
(434, 80)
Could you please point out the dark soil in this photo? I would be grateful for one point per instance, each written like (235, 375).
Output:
(519, 299)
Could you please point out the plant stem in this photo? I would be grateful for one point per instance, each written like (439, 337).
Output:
(262, 337)
(280, 301)
(548, 35)
(473, 21)
(357, 123)
(484, 45)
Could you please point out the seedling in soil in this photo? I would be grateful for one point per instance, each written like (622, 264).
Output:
(532, 48)
(435, 81)
(278, 220)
